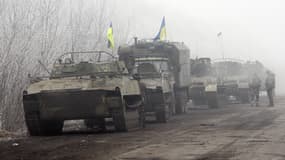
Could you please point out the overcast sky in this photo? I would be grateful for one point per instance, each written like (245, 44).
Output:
(252, 29)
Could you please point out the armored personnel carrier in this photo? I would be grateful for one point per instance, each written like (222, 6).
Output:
(233, 80)
(84, 85)
(163, 69)
(203, 89)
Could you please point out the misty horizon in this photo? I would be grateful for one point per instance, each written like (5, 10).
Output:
(251, 30)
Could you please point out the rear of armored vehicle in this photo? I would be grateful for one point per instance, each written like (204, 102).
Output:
(203, 83)
(233, 81)
(85, 90)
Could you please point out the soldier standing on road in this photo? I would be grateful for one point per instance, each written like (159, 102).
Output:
(254, 87)
(270, 85)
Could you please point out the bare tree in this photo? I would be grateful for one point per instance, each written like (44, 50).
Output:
(32, 30)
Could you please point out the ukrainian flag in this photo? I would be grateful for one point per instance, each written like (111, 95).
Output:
(110, 37)
(161, 35)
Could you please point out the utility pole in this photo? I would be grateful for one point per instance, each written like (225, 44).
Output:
(220, 38)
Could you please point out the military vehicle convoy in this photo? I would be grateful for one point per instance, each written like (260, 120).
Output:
(204, 89)
(83, 85)
(223, 80)
(234, 77)
(163, 70)
(148, 78)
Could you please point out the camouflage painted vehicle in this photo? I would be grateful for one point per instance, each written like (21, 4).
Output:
(163, 69)
(203, 89)
(77, 88)
(223, 80)
(233, 82)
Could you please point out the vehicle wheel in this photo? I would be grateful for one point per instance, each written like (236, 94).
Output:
(141, 110)
(181, 101)
(179, 107)
(98, 122)
(163, 115)
(141, 117)
(244, 96)
(212, 99)
(245, 99)
(119, 121)
(126, 118)
(37, 127)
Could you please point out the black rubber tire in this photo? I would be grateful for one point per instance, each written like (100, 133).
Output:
(141, 110)
(142, 118)
(119, 118)
(178, 107)
(162, 115)
(245, 99)
(38, 127)
(119, 121)
(244, 96)
(127, 118)
(212, 99)
(181, 101)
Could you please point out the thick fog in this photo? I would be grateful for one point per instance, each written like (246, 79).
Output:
(41, 30)
(251, 30)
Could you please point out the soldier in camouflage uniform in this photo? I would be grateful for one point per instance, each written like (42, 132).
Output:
(255, 87)
(270, 85)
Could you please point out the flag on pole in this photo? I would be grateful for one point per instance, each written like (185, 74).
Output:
(161, 35)
(110, 37)
(219, 34)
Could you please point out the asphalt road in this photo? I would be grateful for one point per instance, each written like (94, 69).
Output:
(231, 132)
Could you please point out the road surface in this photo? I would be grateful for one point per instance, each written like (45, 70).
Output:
(231, 132)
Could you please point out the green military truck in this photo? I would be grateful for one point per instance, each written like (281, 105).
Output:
(163, 70)
(83, 85)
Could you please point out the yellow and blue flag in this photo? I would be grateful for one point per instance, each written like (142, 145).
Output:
(110, 37)
(161, 35)
(219, 34)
